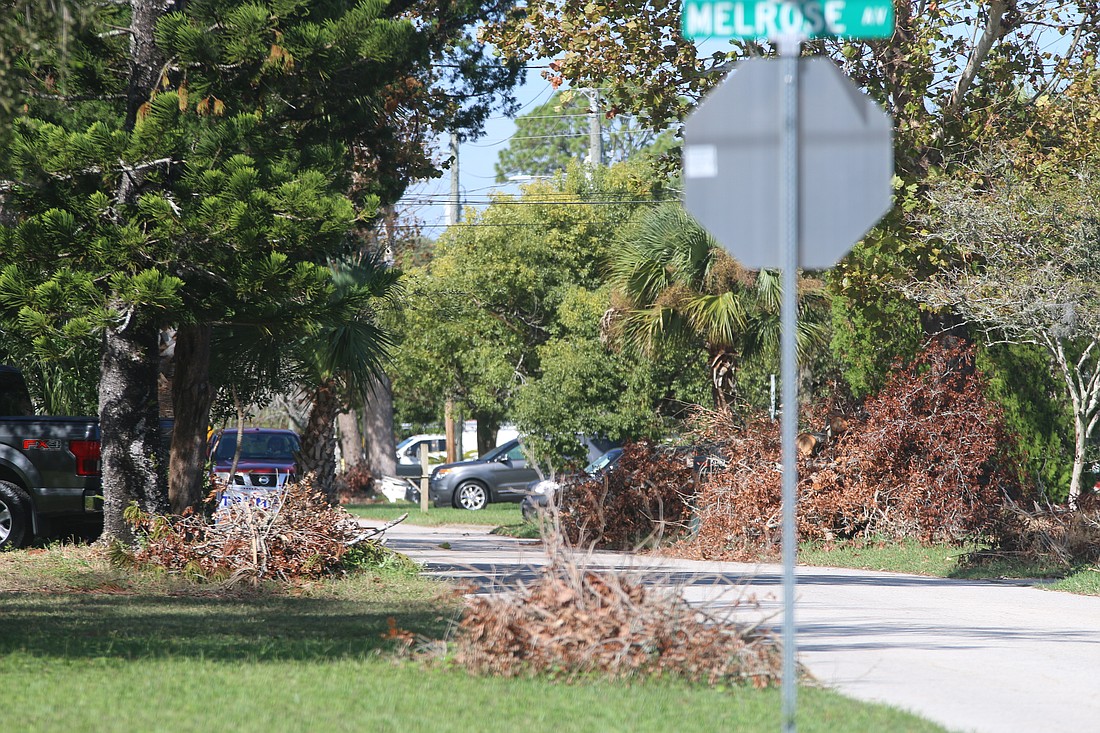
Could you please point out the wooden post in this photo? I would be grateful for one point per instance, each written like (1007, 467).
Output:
(449, 429)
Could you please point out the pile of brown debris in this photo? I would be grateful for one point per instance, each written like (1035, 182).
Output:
(573, 622)
(297, 535)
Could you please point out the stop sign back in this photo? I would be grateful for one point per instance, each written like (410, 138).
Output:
(732, 163)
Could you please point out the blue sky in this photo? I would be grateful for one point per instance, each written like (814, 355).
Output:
(427, 199)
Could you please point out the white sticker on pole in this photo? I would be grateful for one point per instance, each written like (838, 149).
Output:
(700, 161)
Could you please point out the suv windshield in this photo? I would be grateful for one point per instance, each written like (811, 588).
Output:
(257, 446)
(512, 449)
(603, 461)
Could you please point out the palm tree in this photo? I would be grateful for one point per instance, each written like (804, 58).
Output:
(674, 283)
(339, 360)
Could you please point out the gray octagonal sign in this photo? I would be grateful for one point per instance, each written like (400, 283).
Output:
(732, 171)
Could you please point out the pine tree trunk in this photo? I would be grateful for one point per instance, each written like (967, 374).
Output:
(192, 396)
(378, 428)
(146, 61)
(129, 424)
(319, 440)
(129, 418)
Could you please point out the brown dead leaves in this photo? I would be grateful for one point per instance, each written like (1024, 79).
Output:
(299, 536)
(645, 499)
(573, 622)
(1063, 536)
(926, 458)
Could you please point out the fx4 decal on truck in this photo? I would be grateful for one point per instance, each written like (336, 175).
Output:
(35, 444)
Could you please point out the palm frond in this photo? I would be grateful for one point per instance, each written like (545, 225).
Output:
(768, 291)
(719, 318)
(646, 329)
(662, 247)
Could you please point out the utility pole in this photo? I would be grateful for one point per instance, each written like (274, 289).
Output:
(595, 129)
(454, 204)
(454, 215)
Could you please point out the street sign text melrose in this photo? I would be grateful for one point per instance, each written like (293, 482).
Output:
(772, 18)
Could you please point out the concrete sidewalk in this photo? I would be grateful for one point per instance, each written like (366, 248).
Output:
(971, 655)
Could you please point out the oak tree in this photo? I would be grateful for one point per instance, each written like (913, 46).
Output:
(1026, 269)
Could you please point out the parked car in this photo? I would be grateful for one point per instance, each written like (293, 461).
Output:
(268, 460)
(541, 492)
(502, 474)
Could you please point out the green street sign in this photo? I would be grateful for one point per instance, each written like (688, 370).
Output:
(751, 19)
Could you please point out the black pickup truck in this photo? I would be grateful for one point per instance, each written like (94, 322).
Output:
(49, 469)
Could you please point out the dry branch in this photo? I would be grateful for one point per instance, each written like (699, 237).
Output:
(298, 536)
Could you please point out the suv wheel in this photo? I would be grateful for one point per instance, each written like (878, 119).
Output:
(471, 495)
(15, 516)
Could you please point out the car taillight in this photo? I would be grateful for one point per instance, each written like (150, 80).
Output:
(87, 456)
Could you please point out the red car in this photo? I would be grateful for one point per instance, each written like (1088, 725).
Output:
(267, 459)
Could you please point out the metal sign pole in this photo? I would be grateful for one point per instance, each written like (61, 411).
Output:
(731, 150)
(789, 50)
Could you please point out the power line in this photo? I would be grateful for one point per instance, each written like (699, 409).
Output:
(486, 225)
(526, 137)
(548, 136)
(543, 202)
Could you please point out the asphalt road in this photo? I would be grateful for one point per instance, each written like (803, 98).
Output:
(971, 655)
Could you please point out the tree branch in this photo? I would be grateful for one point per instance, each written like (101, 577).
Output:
(122, 168)
(72, 97)
(993, 31)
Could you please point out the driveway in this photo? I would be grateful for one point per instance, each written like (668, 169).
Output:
(971, 655)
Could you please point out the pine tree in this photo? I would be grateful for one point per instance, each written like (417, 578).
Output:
(200, 169)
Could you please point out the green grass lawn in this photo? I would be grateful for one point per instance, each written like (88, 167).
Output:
(1084, 582)
(90, 647)
(898, 557)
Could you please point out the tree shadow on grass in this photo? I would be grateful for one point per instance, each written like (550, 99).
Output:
(76, 626)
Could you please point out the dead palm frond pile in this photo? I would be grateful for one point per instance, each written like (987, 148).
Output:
(574, 621)
(297, 535)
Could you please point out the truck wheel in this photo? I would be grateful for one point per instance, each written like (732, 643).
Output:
(15, 516)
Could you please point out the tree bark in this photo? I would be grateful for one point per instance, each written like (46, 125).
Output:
(146, 61)
(192, 396)
(129, 423)
(1082, 378)
(723, 380)
(994, 30)
(319, 440)
(487, 428)
(1078, 463)
(351, 438)
(129, 418)
(378, 428)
